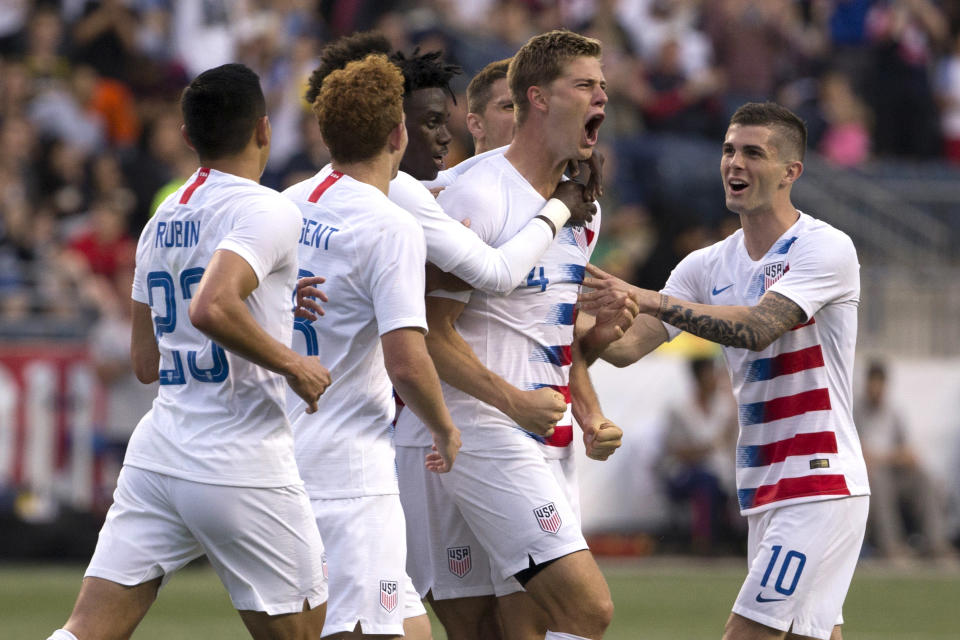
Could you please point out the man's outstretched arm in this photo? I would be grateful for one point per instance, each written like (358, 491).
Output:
(745, 327)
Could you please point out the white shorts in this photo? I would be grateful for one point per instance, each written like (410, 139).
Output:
(565, 471)
(366, 557)
(801, 560)
(515, 506)
(444, 557)
(262, 542)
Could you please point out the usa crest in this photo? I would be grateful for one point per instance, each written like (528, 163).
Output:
(458, 561)
(548, 518)
(388, 595)
(773, 272)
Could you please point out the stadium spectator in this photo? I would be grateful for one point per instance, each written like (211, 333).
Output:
(948, 95)
(215, 453)
(905, 35)
(781, 296)
(898, 482)
(699, 434)
(845, 141)
(105, 37)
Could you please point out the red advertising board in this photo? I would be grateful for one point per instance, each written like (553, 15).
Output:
(50, 408)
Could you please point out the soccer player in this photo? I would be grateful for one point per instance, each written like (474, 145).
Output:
(210, 469)
(490, 108)
(372, 254)
(518, 512)
(781, 296)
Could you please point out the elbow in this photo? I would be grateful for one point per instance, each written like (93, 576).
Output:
(618, 361)
(205, 316)
(146, 369)
(403, 374)
(146, 376)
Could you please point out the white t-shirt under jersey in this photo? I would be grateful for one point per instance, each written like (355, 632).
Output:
(372, 254)
(797, 438)
(524, 337)
(218, 418)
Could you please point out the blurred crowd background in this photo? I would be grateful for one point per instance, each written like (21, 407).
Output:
(90, 144)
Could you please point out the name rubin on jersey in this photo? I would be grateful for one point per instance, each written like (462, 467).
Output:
(177, 233)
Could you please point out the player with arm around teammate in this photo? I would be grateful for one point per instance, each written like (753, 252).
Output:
(372, 254)
(515, 509)
(781, 296)
(210, 468)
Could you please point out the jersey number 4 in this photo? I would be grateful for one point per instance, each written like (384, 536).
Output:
(167, 323)
(533, 281)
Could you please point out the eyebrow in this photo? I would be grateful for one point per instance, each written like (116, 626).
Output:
(746, 147)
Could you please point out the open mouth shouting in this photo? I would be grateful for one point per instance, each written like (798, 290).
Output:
(591, 130)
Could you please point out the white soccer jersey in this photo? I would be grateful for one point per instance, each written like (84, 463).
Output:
(454, 248)
(372, 254)
(218, 418)
(447, 177)
(524, 337)
(797, 439)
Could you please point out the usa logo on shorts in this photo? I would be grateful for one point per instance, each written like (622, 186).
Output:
(458, 561)
(388, 595)
(548, 518)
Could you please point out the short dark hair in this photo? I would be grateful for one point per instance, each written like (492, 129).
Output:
(338, 53)
(701, 365)
(877, 369)
(791, 129)
(480, 89)
(221, 108)
(425, 71)
(541, 60)
(358, 106)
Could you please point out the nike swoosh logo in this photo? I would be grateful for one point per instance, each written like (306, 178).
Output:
(760, 598)
(717, 292)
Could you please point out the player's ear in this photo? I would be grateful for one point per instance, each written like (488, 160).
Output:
(793, 171)
(186, 138)
(537, 97)
(263, 132)
(474, 125)
(397, 138)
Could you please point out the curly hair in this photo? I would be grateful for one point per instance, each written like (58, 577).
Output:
(425, 71)
(358, 107)
(337, 54)
(540, 61)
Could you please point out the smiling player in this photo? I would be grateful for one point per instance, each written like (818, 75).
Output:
(781, 296)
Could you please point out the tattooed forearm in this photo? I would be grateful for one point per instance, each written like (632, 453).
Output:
(753, 328)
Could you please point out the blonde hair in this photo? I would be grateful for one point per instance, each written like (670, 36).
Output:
(541, 61)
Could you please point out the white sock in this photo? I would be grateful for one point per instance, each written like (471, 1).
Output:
(556, 635)
(62, 634)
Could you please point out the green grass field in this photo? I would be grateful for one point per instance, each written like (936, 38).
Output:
(656, 599)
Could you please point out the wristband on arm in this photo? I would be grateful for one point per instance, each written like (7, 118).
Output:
(555, 214)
